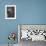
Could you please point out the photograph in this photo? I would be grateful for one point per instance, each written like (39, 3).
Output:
(28, 33)
(10, 11)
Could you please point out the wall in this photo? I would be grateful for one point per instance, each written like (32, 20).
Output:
(6, 26)
(27, 12)
(31, 11)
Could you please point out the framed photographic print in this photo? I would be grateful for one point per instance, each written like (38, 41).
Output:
(33, 32)
(10, 11)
